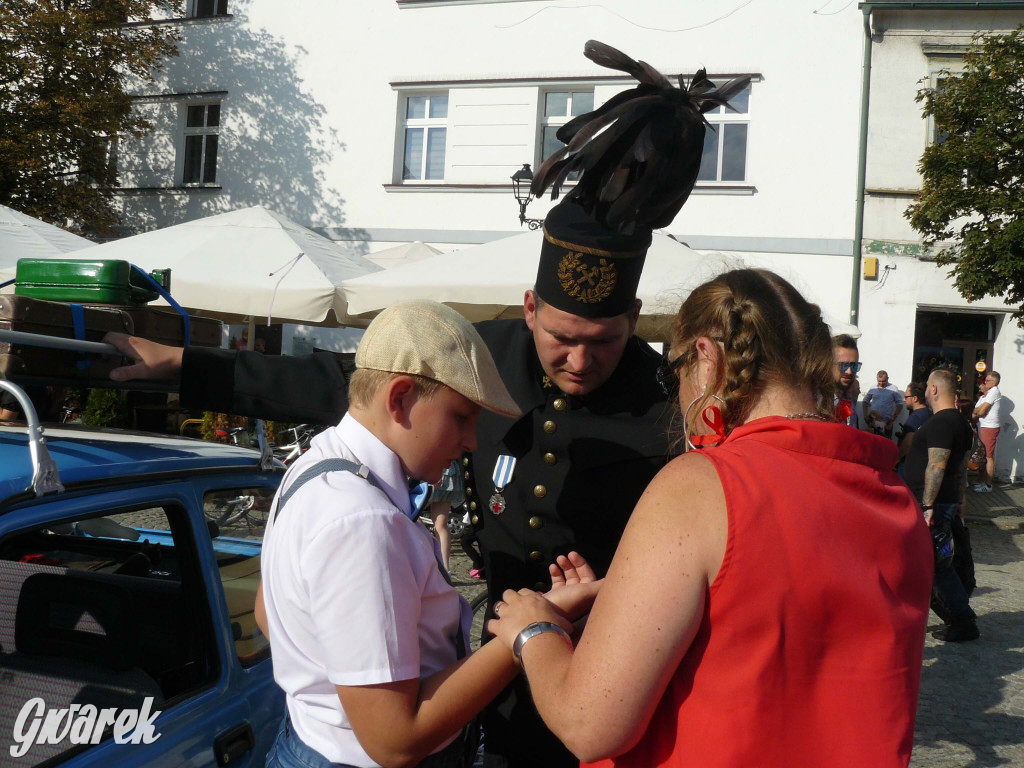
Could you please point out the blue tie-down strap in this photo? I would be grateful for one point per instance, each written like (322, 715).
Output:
(78, 323)
(186, 323)
(12, 281)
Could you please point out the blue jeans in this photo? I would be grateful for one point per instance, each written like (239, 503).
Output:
(289, 751)
(947, 588)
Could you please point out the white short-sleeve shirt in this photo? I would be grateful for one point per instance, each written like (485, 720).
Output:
(352, 589)
(995, 399)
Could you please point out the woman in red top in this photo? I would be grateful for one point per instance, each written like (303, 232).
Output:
(767, 603)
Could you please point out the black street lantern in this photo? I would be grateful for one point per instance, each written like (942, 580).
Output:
(521, 181)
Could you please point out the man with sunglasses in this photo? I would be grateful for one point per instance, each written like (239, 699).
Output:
(847, 356)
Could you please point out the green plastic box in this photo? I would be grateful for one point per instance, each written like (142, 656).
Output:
(85, 281)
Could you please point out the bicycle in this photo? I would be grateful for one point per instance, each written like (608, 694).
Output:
(231, 511)
(301, 435)
(479, 607)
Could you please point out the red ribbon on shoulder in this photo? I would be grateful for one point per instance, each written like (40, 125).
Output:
(716, 424)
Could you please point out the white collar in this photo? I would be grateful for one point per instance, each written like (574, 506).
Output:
(384, 463)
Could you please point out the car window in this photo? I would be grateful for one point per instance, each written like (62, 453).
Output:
(237, 518)
(105, 611)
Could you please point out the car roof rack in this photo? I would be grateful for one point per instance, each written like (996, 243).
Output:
(45, 478)
(38, 443)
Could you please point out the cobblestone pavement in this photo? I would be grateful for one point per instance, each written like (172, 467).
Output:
(971, 707)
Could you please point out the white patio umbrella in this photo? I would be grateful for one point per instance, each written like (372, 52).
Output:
(247, 265)
(488, 281)
(23, 237)
(400, 255)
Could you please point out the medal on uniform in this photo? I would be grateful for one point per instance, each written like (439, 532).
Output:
(502, 476)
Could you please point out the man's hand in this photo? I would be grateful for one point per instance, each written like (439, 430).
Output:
(574, 586)
(152, 360)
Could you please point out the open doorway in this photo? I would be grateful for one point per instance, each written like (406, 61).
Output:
(962, 341)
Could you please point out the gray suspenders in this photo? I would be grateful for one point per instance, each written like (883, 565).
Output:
(360, 470)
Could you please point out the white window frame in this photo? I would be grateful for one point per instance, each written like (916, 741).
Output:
(220, 8)
(187, 132)
(557, 121)
(427, 124)
(720, 119)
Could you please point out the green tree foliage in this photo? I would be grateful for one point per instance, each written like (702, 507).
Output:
(106, 408)
(64, 69)
(971, 205)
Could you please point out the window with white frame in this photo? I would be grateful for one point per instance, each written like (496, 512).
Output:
(198, 9)
(559, 107)
(424, 136)
(202, 128)
(725, 143)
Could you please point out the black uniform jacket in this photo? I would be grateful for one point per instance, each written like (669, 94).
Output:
(306, 388)
(581, 462)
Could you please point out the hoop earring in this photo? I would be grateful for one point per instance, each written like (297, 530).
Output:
(715, 422)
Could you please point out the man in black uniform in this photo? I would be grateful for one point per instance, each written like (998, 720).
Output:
(936, 471)
(594, 430)
(564, 476)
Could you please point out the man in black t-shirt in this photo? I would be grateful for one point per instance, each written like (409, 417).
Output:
(913, 397)
(936, 471)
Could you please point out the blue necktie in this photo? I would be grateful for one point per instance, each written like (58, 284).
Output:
(419, 497)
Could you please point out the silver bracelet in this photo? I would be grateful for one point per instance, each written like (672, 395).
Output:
(532, 630)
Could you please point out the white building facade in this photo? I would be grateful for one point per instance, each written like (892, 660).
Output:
(386, 122)
(911, 316)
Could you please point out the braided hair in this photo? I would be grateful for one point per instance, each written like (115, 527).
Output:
(770, 334)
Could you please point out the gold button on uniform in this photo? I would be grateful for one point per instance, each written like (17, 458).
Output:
(465, 461)
(540, 491)
(472, 506)
(550, 458)
(467, 475)
(536, 554)
(474, 519)
(469, 492)
(559, 403)
(549, 427)
(536, 522)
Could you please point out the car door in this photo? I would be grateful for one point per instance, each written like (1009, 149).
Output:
(128, 581)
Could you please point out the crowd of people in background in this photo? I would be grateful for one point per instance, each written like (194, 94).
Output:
(940, 440)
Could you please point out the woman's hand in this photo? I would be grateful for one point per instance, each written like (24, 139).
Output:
(516, 610)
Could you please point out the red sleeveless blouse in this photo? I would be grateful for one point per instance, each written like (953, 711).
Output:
(809, 652)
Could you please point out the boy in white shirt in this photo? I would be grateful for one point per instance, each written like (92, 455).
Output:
(368, 635)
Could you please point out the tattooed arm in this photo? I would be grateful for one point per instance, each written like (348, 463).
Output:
(933, 474)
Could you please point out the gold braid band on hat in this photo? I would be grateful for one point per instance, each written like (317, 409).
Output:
(593, 251)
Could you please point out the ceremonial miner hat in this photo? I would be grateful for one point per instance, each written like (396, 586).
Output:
(639, 155)
(428, 339)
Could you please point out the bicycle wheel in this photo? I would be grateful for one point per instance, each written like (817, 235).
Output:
(479, 607)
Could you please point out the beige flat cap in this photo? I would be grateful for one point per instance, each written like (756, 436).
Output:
(428, 339)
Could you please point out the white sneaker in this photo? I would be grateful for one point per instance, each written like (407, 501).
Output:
(981, 488)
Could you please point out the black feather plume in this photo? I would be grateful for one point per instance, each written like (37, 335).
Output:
(639, 152)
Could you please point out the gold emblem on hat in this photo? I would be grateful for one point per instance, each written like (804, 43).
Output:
(589, 284)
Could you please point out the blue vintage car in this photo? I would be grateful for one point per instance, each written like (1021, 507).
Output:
(128, 569)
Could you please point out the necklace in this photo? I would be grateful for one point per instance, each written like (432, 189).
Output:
(810, 416)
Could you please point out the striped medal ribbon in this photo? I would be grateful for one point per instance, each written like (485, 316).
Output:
(502, 476)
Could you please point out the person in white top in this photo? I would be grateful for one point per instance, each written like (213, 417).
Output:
(368, 635)
(987, 412)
